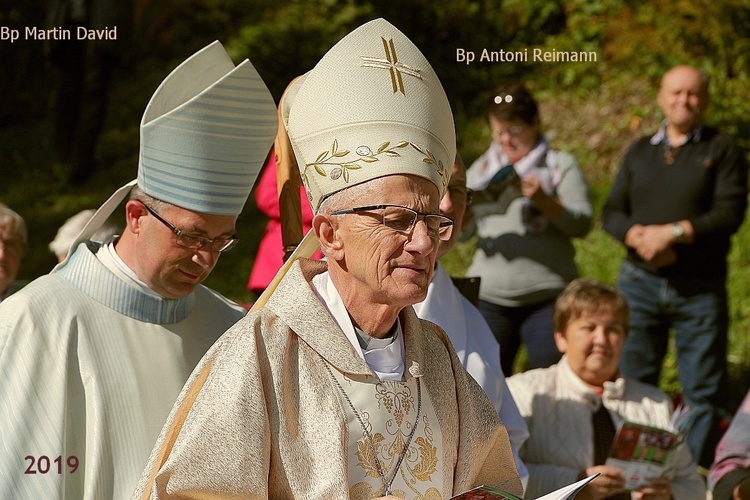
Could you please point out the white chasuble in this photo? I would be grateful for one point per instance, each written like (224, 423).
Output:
(389, 411)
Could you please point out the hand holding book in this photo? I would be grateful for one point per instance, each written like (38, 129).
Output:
(645, 453)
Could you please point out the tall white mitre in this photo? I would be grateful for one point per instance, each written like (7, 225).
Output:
(204, 137)
(372, 106)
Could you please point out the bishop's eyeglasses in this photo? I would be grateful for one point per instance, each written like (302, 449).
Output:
(194, 241)
(402, 219)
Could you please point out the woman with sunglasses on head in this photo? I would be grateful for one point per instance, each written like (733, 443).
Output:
(531, 202)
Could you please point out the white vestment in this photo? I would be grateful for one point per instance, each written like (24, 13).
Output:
(478, 351)
(90, 367)
(263, 416)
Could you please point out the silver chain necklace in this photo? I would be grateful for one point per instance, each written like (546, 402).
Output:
(386, 482)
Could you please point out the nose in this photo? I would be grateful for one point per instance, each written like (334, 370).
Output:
(205, 257)
(420, 240)
(600, 335)
(503, 137)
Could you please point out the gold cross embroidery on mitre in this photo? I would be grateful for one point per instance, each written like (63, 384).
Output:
(391, 63)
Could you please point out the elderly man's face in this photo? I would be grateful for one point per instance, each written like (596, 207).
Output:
(683, 98)
(385, 266)
(10, 256)
(171, 270)
(593, 343)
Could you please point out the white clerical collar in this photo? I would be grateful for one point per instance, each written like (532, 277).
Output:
(387, 362)
(107, 255)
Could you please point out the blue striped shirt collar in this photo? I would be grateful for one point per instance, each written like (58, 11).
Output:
(84, 271)
(660, 137)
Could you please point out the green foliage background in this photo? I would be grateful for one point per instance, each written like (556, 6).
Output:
(593, 110)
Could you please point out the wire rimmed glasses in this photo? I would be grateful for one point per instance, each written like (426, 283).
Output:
(194, 241)
(403, 219)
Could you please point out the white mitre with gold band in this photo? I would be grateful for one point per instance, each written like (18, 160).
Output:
(204, 137)
(373, 106)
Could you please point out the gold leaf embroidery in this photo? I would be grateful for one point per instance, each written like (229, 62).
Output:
(428, 465)
(340, 169)
(366, 455)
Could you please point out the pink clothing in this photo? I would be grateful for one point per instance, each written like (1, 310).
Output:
(270, 254)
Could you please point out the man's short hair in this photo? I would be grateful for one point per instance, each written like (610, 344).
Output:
(137, 194)
(347, 198)
(13, 227)
(589, 296)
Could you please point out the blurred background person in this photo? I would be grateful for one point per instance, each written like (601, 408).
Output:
(679, 196)
(13, 242)
(532, 201)
(270, 254)
(729, 477)
(72, 227)
(573, 408)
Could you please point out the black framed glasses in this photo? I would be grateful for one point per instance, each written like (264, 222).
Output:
(194, 241)
(402, 219)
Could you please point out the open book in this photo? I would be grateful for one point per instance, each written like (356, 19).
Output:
(645, 452)
(485, 492)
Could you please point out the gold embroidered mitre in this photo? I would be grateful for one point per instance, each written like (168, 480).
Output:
(373, 106)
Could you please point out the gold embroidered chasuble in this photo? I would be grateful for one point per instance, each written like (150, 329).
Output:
(389, 409)
(261, 416)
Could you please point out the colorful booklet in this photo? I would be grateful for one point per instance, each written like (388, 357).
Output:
(645, 452)
(487, 493)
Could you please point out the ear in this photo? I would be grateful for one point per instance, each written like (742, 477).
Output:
(327, 230)
(561, 342)
(134, 211)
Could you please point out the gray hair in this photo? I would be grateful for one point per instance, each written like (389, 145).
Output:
(347, 198)
(12, 223)
(137, 194)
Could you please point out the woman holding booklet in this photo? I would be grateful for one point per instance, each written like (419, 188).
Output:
(573, 408)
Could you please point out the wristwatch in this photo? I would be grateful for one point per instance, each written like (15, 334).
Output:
(678, 232)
